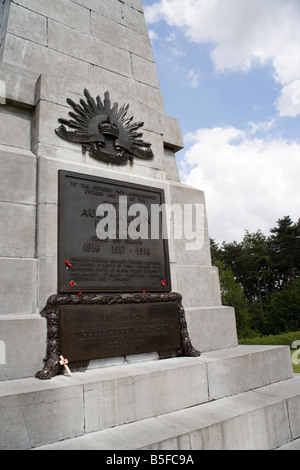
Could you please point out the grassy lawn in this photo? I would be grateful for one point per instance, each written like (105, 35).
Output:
(296, 367)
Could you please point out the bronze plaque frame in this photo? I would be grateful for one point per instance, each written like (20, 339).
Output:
(90, 331)
(88, 264)
(51, 312)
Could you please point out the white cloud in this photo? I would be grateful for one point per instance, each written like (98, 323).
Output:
(263, 126)
(249, 182)
(244, 34)
(152, 34)
(171, 38)
(193, 78)
(176, 52)
(288, 103)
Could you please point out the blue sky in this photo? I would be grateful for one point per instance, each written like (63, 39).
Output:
(229, 70)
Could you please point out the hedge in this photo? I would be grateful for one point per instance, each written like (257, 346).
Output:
(285, 339)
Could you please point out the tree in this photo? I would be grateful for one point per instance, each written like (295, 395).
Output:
(255, 258)
(285, 247)
(231, 254)
(233, 296)
(260, 277)
(214, 250)
(283, 310)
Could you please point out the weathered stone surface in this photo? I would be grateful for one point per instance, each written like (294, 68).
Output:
(291, 395)
(108, 8)
(48, 172)
(170, 165)
(47, 272)
(172, 133)
(47, 230)
(119, 35)
(45, 121)
(134, 19)
(27, 24)
(18, 286)
(18, 175)
(243, 368)
(48, 178)
(96, 399)
(144, 71)
(21, 429)
(37, 58)
(66, 12)
(24, 338)
(237, 423)
(118, 398)
(15, 127)
(212, 328)
(89, 49)
(241, 422)
(17, 230)
(19, 85)
(4, 14)
(198, 285)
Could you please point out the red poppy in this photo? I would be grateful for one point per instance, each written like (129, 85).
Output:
(72, 283)
(79, 294)
(163, 283)
(144, 292)
(67, 263)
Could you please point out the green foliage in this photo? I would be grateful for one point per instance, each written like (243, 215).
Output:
(232, 295)
(285, 339)
(260, 277)
(284, 246)
(296, 367)
(283, 309)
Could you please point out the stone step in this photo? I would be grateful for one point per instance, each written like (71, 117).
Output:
(294, 445)
(103, 398)
(262, 419)
(244, 368)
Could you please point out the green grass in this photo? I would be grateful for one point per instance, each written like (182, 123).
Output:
(296, 367)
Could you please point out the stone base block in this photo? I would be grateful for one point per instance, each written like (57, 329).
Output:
(198, 285)
(18, 286)
(243, 368)
(212, 328)
(22, 345)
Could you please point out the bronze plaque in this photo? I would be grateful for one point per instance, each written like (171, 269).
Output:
(111, 236)
(98, 331)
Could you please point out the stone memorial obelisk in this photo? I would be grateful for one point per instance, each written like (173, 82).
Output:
(52, 52)
(80, 99)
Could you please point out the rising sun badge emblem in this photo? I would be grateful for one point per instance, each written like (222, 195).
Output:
(104, 130)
